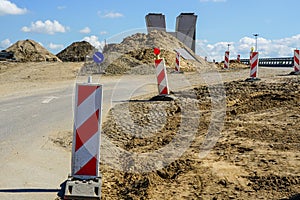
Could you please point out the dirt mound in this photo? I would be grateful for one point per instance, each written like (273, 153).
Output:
(137, 51)
(159, 39)
(256, 157)
(233, 64)
(76, 52)
(31, 51)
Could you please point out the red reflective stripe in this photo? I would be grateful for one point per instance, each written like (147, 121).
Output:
(157, 62)
(252, 56)
(296, 60)
(164, 91)
(79, 141)
(87, 130)
(161, 76)
(254, 63)
(84, 92)
(226, 55)
(226, 60)
(177, 62)
(89, 169)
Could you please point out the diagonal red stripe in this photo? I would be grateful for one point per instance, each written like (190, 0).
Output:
(254, 64)
(87, 130)
(164, 91)
(79, 141)
(84, 91)
(252, 54)
(161, 76)
(157, 62)
(253, 75)
(296, 60)
(177, 63)
(89, 169)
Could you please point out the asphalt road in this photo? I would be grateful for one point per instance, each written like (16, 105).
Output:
(31, 166)
(28, 159)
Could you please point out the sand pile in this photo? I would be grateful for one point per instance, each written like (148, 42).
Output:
(31, 51)
(233, 64)
(135, 54)
(76, 52)
(159, 39)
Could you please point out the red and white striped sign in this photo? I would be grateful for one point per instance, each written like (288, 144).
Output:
(238, 58)
(226, 61)
(87, 127)
(297, 61)
(253, 64)
(161, 75)
(177, 63)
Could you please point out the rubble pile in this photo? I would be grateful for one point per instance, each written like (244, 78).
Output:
(76, 52)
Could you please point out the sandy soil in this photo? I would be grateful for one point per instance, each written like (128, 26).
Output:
(26, 78)
(256, 157)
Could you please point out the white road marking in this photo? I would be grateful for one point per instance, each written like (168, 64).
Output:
(49, 99)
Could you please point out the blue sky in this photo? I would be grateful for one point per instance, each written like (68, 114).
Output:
(57, 23)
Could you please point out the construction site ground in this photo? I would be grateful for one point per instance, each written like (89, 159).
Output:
(256, 157)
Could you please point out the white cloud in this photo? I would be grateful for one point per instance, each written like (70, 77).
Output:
(266, 47)
(294, 40)
(103, 32)
(5, 44)
(9, 8)
(85, 30)
(94, 40)
(111, 15)
(47, 27)
(61, 7)
(55, 46)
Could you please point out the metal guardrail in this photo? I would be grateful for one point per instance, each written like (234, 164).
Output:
(273, 62)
